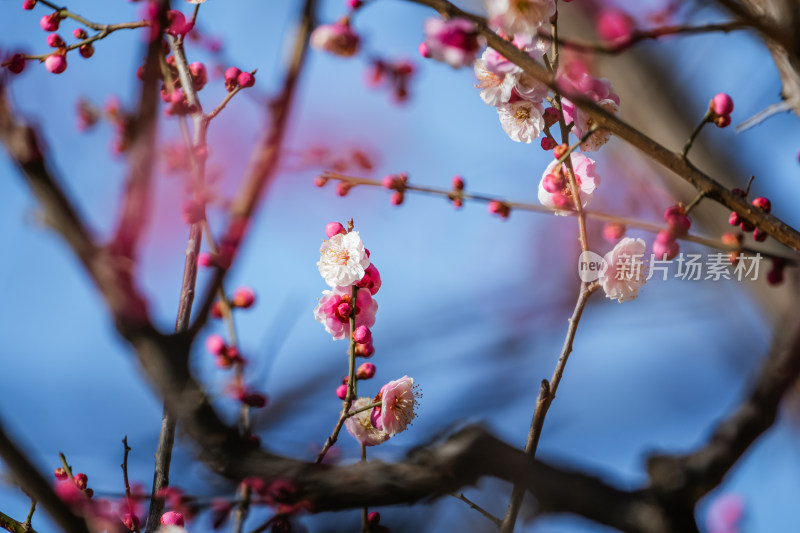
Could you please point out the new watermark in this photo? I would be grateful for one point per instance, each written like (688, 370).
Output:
(694, 267)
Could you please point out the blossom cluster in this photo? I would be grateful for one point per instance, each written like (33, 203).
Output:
(346, 267)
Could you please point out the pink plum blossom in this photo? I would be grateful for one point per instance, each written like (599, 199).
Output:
(519, 16)
(338, 38)
(557, 194)
(725, 514)
(575, 79)
(625, 272)
(522, 120)
(330, 313)
(371, 280)
(360, 427)
(455, 41)
(343, 260)
(398, 400)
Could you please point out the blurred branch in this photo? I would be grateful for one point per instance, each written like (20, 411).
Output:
(673, 161)
(638, 36)
(135, 209)
(693, 475)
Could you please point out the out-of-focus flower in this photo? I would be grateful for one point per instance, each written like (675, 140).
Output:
(343, 260)
(519, 16)
(338, 38)
(554, 188)
(626, 272)
(575, 79)
(455, 41)
(360, 427)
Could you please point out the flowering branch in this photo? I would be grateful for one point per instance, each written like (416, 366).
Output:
(604, 120)
(538, 208)
(37, 487)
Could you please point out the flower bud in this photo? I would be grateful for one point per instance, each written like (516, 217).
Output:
(28, 4)
(232, 78)
(734, 219)
(50, 22)
(81, 480)
(171, 518)
(341, 392)
(548, 143)
(61, 474)
(79, 33)
(760, 235)
(216, 344)
(763, 203)
(397, 198)
(721, 104)
(54, 40)
(334, 228)
(56, 63)
(613, 231)
(342, 188)
(344, 309)
(366, 371)
(86, 51)
(16, 63)
(458, 183)
(131, 521)
(550, 116)
(499, 208)
(199, 75)
(679, 222)
(246, 79)
(362, 335)
(665, 247)
(243, 297)
(254, 399)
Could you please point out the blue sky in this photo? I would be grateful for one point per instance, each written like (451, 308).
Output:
(472, 306)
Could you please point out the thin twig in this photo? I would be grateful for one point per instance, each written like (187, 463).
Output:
(481, 510)
(547, 393)
(128, 498)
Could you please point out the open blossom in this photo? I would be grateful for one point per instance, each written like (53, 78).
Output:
(338, 38)
(493, 91)
(343, 260)
(626, 272)
(335, 307)
(361, 428)
(455, 41)
(398, 400)
(576, 79)
(519, 16)
(555, 191)
(522, 120)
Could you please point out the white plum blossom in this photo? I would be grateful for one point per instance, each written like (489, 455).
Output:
(494, 91)
(360, 427)
(522, 120)
(519, 16)
(343, 259)
(626, 272)
(555, 191)
(525, 86)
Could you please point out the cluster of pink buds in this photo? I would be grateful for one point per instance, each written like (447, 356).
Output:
(235, 78)
(760, 203)
(226, 356)
(666, 245)
(74, 490)
(396, 75)
(457, 194)
(501, 209)
(719, 110)
(396, 183)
